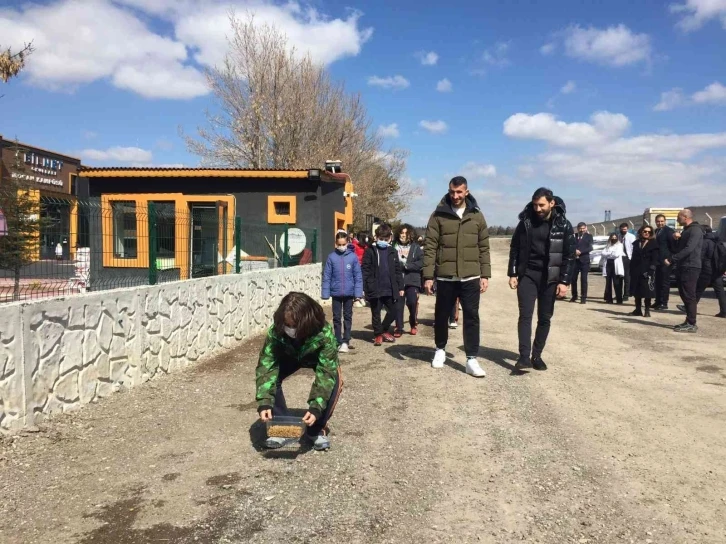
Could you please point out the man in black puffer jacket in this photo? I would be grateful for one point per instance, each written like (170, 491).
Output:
(541, 262)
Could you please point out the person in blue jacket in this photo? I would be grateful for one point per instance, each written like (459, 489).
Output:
(342, 280)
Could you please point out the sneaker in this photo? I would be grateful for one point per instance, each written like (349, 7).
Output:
(276, 442)
(343, 348)
(378, 340)
(387, 337)
(474, 369)
(538, 363)
(523, 363)
(453, 324)
(397, 333)
(321, 442)
(681, 308)
(685, 327)
(439, 359)
(414, 331)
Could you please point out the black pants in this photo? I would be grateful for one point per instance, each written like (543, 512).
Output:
(626, 277)
(529, 291)
(343, 308)
(662, 284)
(410, 301)
(613, 280)
(706, 281)
(469, 293)
(581, 269)
(639, 303)
(687, 283)
(377, 305)
(287, 369)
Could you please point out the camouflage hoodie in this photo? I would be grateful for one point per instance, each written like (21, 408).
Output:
(319, 352)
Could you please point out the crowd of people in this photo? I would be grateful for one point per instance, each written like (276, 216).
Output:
(546, 257)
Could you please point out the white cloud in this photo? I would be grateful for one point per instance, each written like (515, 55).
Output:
(715, 93)
(604, 126)
(670, 100)
(497, 54)
(115, 40)
(434, 127)
(613, 46)
(428, 59)
(390, 82)
(548, 48)
(473, 171)
(569, 87)
(444, 86)
(118, 154)
(696, 13)
(389, 131)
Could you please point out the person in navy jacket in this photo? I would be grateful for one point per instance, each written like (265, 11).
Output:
(582, 261)
(343, 281)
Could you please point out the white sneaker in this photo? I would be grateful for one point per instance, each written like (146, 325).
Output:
(343, 348)
(439, 359)
(473, 368)
(453, 324)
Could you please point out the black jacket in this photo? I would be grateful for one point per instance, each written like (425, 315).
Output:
(667, 244)
(642, 269)
(561, 249)
(584, 244)
(413, 267)
(689, 247)
(710, 240)
(371, 266)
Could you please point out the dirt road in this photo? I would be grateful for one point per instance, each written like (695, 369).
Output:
(621, 440)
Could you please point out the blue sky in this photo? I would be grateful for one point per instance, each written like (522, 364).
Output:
(618, 105)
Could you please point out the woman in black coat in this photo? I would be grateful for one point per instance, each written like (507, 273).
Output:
(646, 255)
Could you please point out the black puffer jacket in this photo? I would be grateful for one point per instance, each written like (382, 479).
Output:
(710, 241)
(561, 249)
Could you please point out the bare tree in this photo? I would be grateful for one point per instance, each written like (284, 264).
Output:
(12, 63)
(277, 108)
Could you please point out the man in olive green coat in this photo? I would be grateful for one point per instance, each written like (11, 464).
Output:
(456, 254)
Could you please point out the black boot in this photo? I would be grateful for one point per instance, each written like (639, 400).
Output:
(637, 312)
(538, 363)
(523, 363)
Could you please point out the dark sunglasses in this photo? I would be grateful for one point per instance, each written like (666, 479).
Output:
(648, 232)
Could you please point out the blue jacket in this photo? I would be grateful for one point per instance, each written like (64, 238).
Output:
(342, 275)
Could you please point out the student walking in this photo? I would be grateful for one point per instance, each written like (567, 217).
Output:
(688, 262)
(613, 269)
(382, 283)
(646, 254)
(299, 338)
(343, 281)
(410, 255)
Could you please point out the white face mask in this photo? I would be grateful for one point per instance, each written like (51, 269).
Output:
(292, 333)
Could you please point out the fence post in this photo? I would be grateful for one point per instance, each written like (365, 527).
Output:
(285, 246)
(314, 246)
(237, 244)
(153, 272)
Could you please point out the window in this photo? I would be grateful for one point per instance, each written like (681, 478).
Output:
(3, 224)
(74, 177)
(671, 223)
(165, 229)
(281, 209)
(124, 230)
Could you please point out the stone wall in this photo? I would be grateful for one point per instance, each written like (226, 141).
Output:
(59, 354)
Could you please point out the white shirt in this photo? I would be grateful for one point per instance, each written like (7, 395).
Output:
(460, 213)
(628, 240)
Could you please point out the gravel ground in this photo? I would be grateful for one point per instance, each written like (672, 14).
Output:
(621, 440)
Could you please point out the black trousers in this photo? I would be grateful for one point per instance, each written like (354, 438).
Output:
(662, 284)
(717, 284)
(377, 305)
(613, 281)
(583, 270)
(687, 284)
(287, 369)
(626, 277)
(343, 311)
(410, 301)
(529, 291)
(469, 293)
(639, 303)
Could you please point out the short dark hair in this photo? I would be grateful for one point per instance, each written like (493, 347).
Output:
(458, 181)
(409, 228)
(340, 235)
(624, 225)
(707, 229)
(543, 192)
(384, 230)
(581, 224)
(659, 216)
(307, 314)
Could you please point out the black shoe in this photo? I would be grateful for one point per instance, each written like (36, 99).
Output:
(573, 299)
(657, 306)
(720, 314)
(583, 301)
(647, 313)
(620, 302)
(637, 312)
(661, 308)
(523, 364)
(538, 363)
(681, 308)
(685, 327)
(626, 299)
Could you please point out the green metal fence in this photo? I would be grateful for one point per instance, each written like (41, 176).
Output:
(92, 246)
